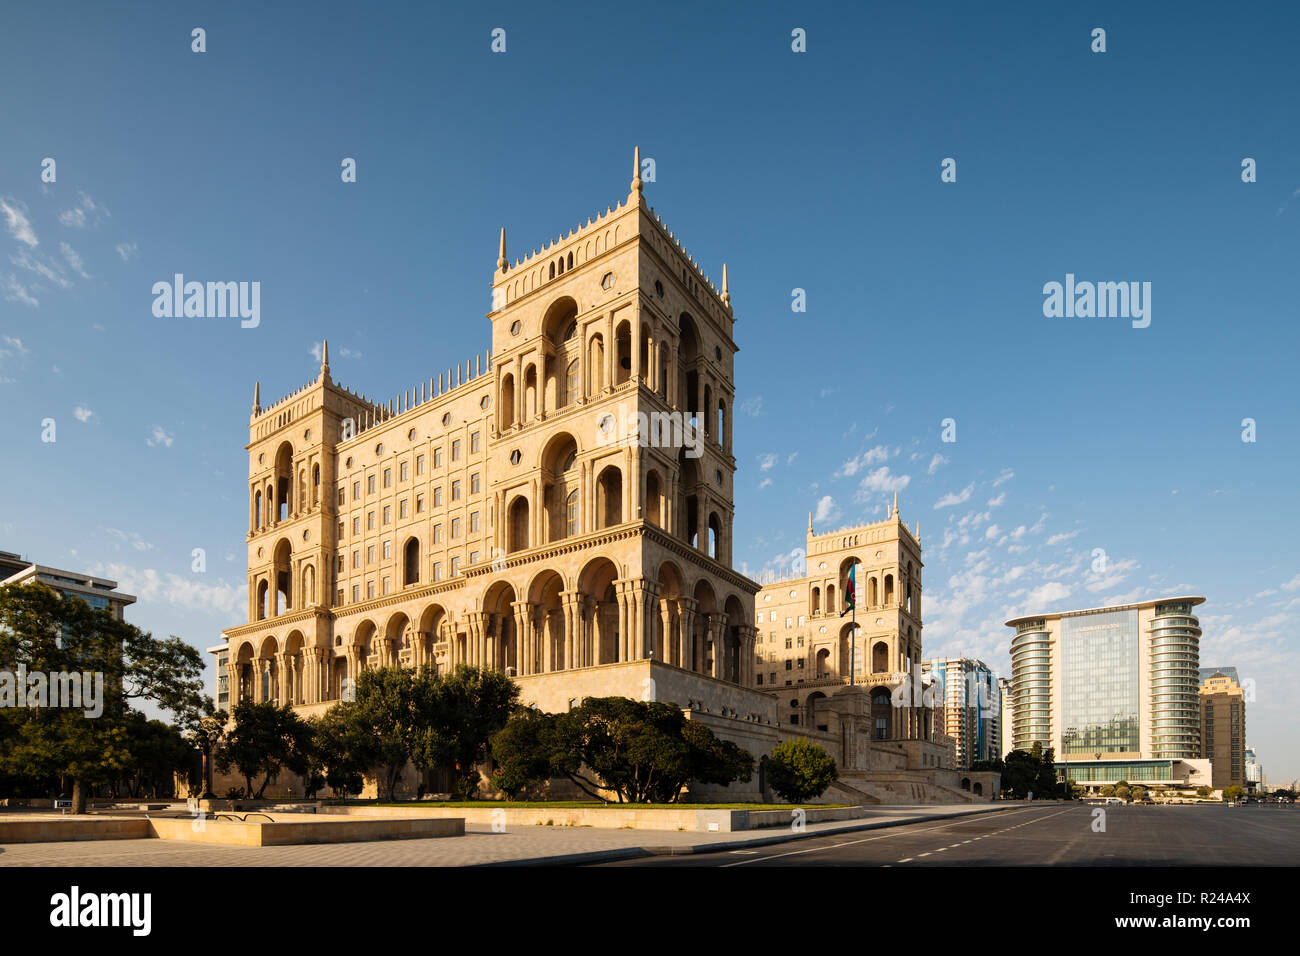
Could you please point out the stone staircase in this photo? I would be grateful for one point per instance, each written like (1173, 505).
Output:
(900, 788)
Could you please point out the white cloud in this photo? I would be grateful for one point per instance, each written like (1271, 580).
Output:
(752, 406)
(997, 502)
(1063, 536)
(82, 413)
(991, 532)
(935, 463)
(35, 262)
(17, 223)
(882, 480)
(825, 509)
(764, 483)
(950, 499)
(188, 593)
(872, 456)
(160, 437)
(127, 250)
(766, 462)
(15, 291)
(1007, 475)
(130, 538)
(73, 258)
(84, 214)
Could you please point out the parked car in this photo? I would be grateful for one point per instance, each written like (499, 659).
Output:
(1147, 802)
(1114, 800)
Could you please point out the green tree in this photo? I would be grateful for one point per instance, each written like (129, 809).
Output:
(1123, 792)
(264, 740)
(1138, 792)
(1108, 790)
(1232, 793)
(458, 714)
(800, 770)
(642, 751)
(1204, 791)
(342, 750)
(48, 633)
(386, 711)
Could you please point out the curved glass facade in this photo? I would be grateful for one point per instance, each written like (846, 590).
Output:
(1175, 682)
(1031, 686)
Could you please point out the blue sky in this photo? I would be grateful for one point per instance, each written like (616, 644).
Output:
(818, 171)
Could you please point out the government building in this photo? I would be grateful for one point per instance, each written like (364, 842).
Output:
(559, 507)
(1114, 691)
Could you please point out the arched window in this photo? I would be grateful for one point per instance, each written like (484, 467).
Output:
(257, 509)
(653, 512)
(552, 275)
(411, 562)
(571, 513)
(517, 540)
(872, 593)
(889, 589)
(506, 408)
(816, 600)
(570, 260)
(571, 391)
(261, 600)
(315, 485)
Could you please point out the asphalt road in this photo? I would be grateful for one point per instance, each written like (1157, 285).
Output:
(1047, 835)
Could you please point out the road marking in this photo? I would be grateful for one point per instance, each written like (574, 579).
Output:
(906, 859)
(892, 831)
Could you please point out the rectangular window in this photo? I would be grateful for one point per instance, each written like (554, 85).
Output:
(342, 496)
(437, 458)
(341, 529)
(388, 550)
(340, 564)
(419, 504)
(437, 497)
(370, 554)
(473, 443)
(356, 593)
(789, 666)
(455, 491)
(437, 534)
(455, 453)
(356, 525)
(356, 559)
(370, 485)
(404, 471)
(789, 622)
(388, 477)
(455, 528)
(370, 589)
(388, 514)
(475, 485)
(473, 557)
(402, 509)
(455, 566)
(788, 643)
(437, 570)
(385, 585)
(760, 680)
(370, 521)
(473, 522)
(338, 597)
(356, 490)
(419, 464)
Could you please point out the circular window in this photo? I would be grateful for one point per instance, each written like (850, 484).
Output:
(717, 353)
(659, 288)
(516, 457)
(515, 326)
(794, 593)
(446, 418)
(485, 402)
(379, 449)
(607, 281)
(410, 436)
(307, 435)
(348, 463)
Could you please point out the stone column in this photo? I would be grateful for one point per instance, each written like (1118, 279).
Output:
(571, 601)
(523, 638)
(624, 626)
(587, 635)
(716, 626)
(232, 683)
(668, 646)
(686, 610)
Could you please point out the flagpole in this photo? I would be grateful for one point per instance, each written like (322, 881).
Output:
(853, 629)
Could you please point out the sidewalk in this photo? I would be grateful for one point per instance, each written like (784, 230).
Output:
(520, 846)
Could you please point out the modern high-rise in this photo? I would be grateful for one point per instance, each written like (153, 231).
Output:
(1223, 728)
(1113, 691)
(970, 696)
(1007, 719)
(1254, 770)
(99, 593)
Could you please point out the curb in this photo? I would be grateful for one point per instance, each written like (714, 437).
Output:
(637, 852)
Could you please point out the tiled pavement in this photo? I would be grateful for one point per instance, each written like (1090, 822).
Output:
(479, 846)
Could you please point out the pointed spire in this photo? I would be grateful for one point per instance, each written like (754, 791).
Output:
(895, 514)
(726, 292)
(257, 398)
(810, 522)
(636, 170)
(502, 261)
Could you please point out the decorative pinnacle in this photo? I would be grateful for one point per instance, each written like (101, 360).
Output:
(726, 294)
(257, 398)
(502, 261)
(895, 514)
(636, 169)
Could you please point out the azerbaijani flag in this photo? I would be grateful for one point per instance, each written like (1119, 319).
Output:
(850, 592)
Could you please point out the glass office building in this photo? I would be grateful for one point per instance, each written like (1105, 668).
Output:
(1113, 687)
